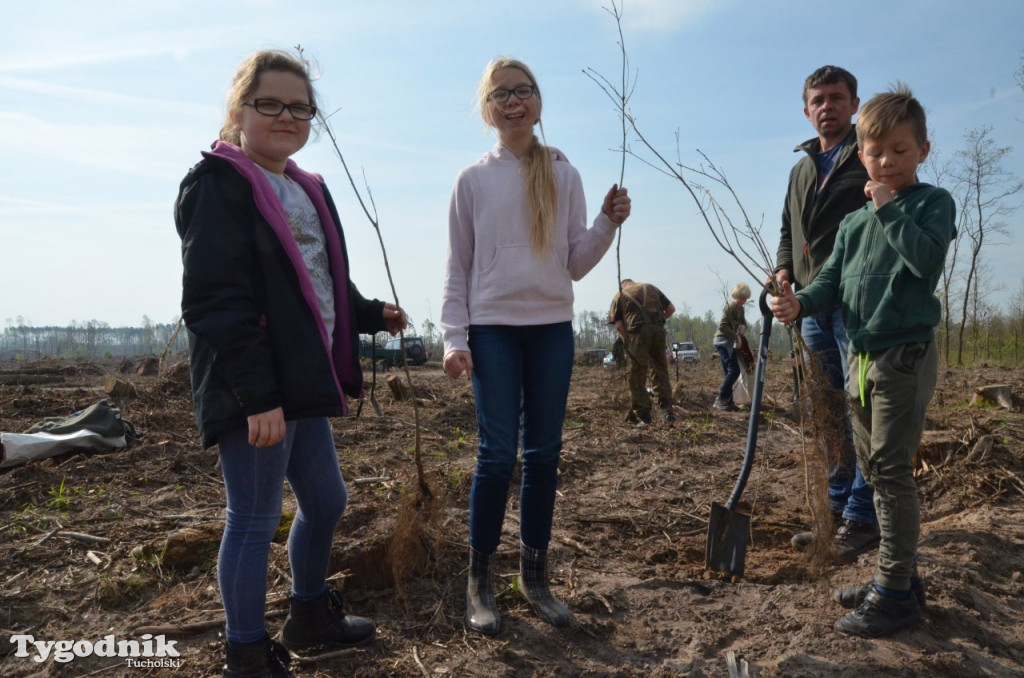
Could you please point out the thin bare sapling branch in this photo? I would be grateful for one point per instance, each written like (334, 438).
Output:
(620, 97)
(728, 233)
(371, 214)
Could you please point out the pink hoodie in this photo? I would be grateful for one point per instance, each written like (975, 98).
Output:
(492, 276)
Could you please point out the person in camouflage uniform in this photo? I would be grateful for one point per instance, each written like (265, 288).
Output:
(639, 312)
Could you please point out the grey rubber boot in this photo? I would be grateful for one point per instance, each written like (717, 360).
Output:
(481, 608)
(533, 582)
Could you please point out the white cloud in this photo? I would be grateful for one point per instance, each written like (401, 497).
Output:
(112, 99)
(140, 151)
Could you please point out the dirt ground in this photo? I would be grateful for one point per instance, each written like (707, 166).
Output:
(627, 551)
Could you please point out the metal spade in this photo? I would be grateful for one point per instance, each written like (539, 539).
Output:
(729, 531)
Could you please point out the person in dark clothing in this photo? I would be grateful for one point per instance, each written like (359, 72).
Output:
(731, 327)
(273, 323)
(824, 186)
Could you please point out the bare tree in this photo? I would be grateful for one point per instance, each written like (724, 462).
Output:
(730, 227)
(1017, 321)
(986, 188)
(940, 173)
(1020, 73)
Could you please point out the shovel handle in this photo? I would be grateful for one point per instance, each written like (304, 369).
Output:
(755, 403)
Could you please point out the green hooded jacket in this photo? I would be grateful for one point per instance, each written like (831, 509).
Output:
(884, 269)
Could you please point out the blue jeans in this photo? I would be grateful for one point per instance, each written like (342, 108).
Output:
(825, 337)
(521, 380)
(730, 368)
(254, 479)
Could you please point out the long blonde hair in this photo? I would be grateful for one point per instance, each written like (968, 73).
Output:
(247, 80)
(541, 190)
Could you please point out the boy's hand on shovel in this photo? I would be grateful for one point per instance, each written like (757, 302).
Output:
(786, 307)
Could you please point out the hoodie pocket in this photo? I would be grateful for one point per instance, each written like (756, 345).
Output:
(515, 273)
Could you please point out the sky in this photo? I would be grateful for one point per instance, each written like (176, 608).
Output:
(105, 105)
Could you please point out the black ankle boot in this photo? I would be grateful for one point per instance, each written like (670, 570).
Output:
(481, 609)
(322, 621)
(533, 579)
(852, 596)
(263, 659)
(879, 616)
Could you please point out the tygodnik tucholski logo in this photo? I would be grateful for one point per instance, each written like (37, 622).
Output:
(147, 652)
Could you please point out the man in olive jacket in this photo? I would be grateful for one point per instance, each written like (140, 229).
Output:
(824, 186)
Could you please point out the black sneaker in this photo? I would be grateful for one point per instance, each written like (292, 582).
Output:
(802, 540)
(854, 539)
(669, 415)
(638, 420)
(879, 616)
(852, 596)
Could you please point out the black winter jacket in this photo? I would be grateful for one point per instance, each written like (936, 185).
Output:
(257, 340)
(809, 221)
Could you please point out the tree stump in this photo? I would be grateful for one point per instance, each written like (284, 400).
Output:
(148, 367)
(398, 387)
(120, 390)
(191, 546)
(993, 393)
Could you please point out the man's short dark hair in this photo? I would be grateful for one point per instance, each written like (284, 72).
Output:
(830, 75)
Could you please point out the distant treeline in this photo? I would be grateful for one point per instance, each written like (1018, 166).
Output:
(91, 339)
(593, 331)
(995, 338)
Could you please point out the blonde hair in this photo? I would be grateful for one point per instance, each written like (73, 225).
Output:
(541, 190)
(741, 291)
(247, 80)
(885, 111)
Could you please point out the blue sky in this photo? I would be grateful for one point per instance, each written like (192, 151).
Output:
(106, 104)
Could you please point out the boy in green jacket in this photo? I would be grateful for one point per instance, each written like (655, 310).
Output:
(886, 264)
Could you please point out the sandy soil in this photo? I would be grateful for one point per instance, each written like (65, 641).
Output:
(627, 551)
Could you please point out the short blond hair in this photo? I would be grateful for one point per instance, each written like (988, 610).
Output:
(741, 291)
(885, 111)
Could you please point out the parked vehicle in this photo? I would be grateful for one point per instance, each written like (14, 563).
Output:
(686, 352)
(592, 356)
(390, 354)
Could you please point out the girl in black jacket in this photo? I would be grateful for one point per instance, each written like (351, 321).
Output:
(273, 323)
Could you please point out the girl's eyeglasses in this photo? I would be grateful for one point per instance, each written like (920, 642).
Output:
(501, 95)
(273, 108)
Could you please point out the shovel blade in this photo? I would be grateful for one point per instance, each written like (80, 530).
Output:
(728, 536)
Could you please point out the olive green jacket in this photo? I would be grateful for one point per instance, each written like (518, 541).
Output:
(809, 221)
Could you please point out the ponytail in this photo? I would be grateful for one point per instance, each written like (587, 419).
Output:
(541, 196)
